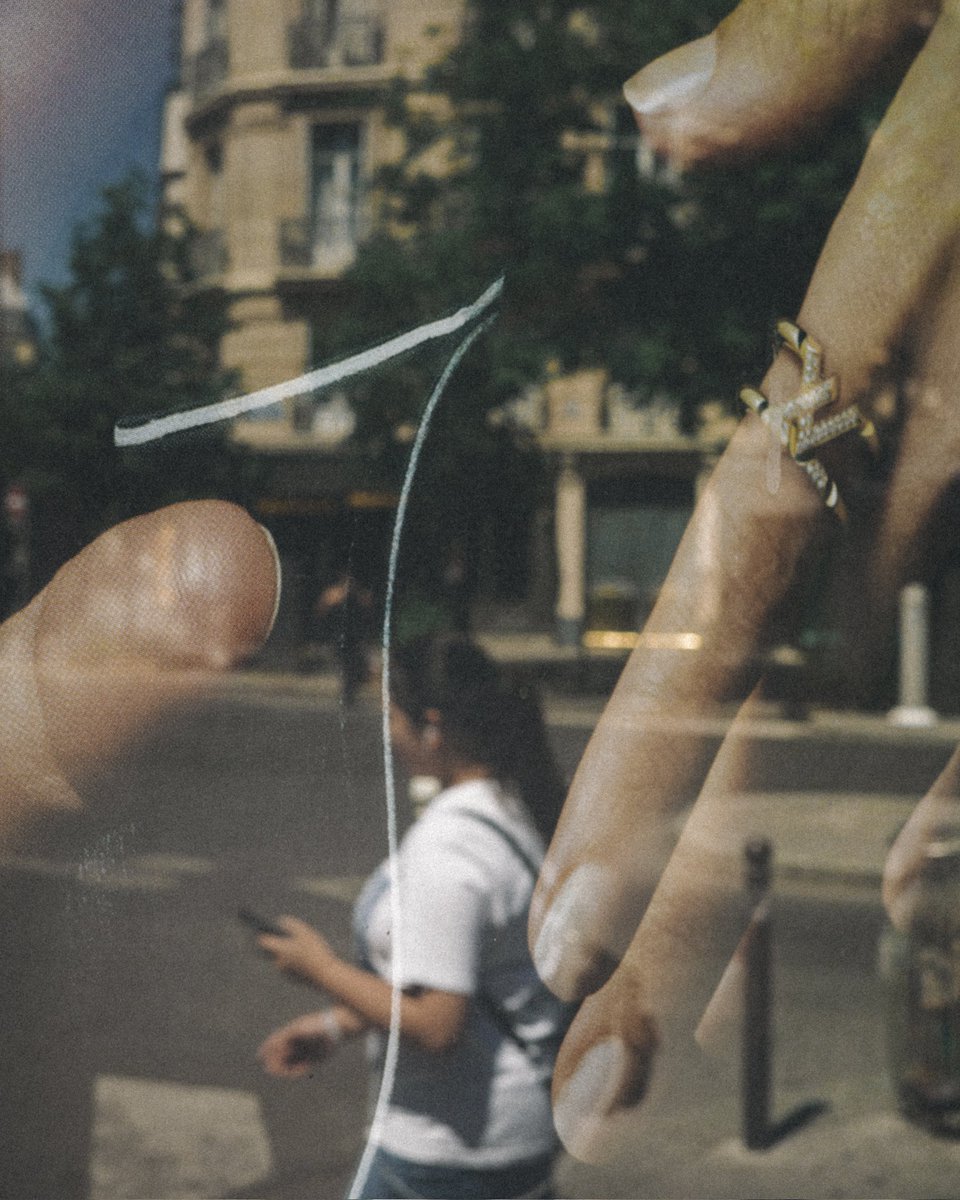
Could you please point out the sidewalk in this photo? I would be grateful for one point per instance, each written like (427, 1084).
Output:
(817, 836)
(685, 1142)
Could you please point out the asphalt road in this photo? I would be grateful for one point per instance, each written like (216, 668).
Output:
(133, 1000)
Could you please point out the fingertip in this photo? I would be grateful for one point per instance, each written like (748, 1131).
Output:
(672, 80)
(766, 75)
(599, 1091)
(227, 580)
(568, 958)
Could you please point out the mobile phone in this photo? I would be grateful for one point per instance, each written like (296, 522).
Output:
(260, 924)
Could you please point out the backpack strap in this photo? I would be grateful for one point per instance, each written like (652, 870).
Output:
(496, 1014)
(505, 834)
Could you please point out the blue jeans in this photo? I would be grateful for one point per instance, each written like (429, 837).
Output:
(393, 1178)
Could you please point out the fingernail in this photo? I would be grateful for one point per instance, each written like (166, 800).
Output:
(562, 956)
(276, 559)
(719, 1027)
(673, 79)
(586, 1101)
(901, 903)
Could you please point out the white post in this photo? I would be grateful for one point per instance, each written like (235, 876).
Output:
(913, 708)
(571, 540)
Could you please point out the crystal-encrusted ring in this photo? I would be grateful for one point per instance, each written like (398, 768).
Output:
(793, 424)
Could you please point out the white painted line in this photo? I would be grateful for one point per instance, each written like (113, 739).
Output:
(92, 873)
(173, 864)
(151, 428)
(345, 888)
(157, 1139)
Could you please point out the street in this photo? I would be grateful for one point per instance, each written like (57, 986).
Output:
(134, 999)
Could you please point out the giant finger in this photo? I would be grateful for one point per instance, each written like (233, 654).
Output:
(134, 623)
(880, 273)
(768, 73)
(683, 951)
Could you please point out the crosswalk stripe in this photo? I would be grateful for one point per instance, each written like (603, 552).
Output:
(345, 888)
(171, 1140)
(147, 872)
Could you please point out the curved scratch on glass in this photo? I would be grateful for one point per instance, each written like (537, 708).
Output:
(393, 1038)
(139, 431)
(136, 431)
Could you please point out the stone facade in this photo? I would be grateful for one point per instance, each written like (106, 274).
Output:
(269, 145)
(18, 334)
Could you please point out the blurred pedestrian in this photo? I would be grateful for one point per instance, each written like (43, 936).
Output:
(457, 581)
(348, 607)
(470, 1111)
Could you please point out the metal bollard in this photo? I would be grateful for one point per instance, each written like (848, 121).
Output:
(757, 999)
(913, 709)
(759, 1132)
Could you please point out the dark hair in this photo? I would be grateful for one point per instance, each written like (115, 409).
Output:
(486, 721)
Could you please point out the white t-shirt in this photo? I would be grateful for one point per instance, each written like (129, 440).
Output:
(465, 895)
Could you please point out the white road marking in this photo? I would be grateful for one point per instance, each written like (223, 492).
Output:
(173, 864)
(146, 872)
(170, 1140)
(93, 873)
(345, 888)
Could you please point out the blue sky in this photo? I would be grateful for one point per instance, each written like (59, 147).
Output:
(81, 85)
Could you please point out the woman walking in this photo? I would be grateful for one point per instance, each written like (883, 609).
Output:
(469, 1115)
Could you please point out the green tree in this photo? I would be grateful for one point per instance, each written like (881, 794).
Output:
(672, 287)
(126, 335)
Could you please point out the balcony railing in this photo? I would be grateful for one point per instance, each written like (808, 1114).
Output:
(326, 246)
(208, 253)
(351, 41)
(207, 69)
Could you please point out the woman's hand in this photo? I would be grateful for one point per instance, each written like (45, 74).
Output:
(301, 952)
(294, 1049)
(135, 624)
(884, 304)
(431, 1018)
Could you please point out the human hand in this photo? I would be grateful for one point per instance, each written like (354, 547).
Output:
(620, 916)
(136, 623)
(294, 1049)
(301, 951)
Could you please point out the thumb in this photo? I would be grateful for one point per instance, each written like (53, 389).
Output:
(135, 622)
(767, 73)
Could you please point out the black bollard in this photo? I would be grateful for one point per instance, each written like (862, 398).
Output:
(759, 1132)
(757, 999)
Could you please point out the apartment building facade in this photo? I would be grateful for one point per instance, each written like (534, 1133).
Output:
(270, 144)
(270, 141)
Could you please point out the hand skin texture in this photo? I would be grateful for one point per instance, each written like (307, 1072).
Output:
(433, 1019)
(292, 1051)
(135, 623)
(621, 919)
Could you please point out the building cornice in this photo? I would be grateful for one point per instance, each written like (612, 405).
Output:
(336, 83)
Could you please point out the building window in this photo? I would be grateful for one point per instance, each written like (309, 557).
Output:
(216, 204)
(337, 33)
(335, 199)
(206, 70)
(216, 21)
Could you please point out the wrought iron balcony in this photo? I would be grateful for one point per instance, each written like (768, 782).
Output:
(327, 246)
(350, 41)
(208, 253)
(207, 69)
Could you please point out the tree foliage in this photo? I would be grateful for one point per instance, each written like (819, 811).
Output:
(126, 335)
(672, 287)
(522, 158)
